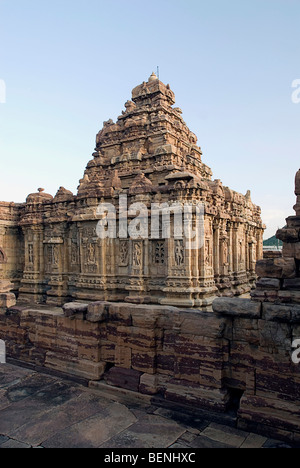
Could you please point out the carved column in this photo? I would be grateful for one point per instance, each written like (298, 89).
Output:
(230, 247)
(216, 248)
(235, 248)
(32, 284)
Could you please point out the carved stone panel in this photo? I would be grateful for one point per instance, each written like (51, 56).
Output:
(30, 254)
(137, 255)
(2, 256)
(74, 253)
(90, 260)
(159, 253)
(179, 254)
(123, 253)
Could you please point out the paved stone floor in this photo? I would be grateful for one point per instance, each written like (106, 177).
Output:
(38, 410)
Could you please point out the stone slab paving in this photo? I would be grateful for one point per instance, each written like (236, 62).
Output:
(38, 410)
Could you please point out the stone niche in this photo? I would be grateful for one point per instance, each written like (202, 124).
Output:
(148, 155)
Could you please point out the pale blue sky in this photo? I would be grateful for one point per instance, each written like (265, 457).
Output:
(69, 65)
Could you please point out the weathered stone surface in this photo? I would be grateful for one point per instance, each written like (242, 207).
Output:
(276, 268)
(292, 284)
(269, 283)
(237, 307)
(124, 378)
(74, 308)
(97, 312)
(5, 286)
(288, 235)
(249, 348)
(6, 300)
(226, 435)
(277, 313)
(297, 193)
(290, 296)
(204, 397)
(78, 367)
(291, 250)
(246, 330)
(274, 335)
(280, 417)
(149, 384)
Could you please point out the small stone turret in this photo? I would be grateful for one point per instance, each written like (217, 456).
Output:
(297, 193)
(279, 278)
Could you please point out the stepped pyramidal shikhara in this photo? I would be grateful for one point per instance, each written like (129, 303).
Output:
(49, 248)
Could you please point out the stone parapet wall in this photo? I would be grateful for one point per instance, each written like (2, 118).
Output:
(203, 359)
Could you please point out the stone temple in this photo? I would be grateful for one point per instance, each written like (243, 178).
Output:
(49, 248)
(140, 312)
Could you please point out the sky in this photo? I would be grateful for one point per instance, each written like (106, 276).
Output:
(69, 65)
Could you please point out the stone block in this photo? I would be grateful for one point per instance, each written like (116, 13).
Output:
(279, 268)
(74, 308)
(289, 296)
(66, 345)
(121, 313)
(5, 286)
(107, 351)
(185, 392)
(204, 324)
(165, 363)
(144, 361)
(258, 295)
(79, 367)
(211, 376)
(292, 284)
(89, 331)
(274, 335)
(149, 384)
(295, 310)
(237, 307)
(123, 356)
(136, 338)
(97, 312)
(111, 333)
(243, 355)
(277, 385)
(145, 317)
(291, 250)
(276, 312)
(187, 368)
(6, 300)
(280, 416)
(245, 329)
(288, 235)
(66, 326)
(124, 378)
(268, 283)
(88, 352)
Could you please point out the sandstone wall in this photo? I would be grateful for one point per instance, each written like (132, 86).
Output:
(11, 243)
(192, 357)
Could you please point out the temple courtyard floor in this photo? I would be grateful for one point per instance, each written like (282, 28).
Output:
(39, 410)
